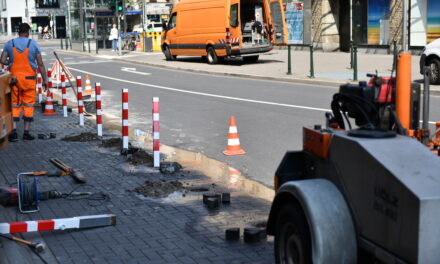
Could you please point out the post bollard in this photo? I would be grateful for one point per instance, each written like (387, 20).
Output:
(355, 69)
(312, 70)
(394, 56)
(83, 45)
(96, 46)
(70, 41)
(67, 44)
(351, 54)
(425, 122)
(289, 61)
(88, 44)
(61, 40)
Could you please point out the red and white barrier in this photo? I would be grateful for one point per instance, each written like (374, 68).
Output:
(80, 101)
(4, 68)
(40, 88)
(48, 109)
(98, 108)
(156, 129)
(58, 224)
(63, 93)
(125, 119)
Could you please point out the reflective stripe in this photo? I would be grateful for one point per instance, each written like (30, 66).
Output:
(233, 129)
(28, 105)
(233, 142)
(16, 105)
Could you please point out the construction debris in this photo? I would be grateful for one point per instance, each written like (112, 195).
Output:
(83, 137)
(111, 143)
(226, 198)
(159, 189)
(169, 167)
(140, 157)
(232, 234)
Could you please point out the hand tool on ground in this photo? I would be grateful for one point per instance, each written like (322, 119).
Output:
(38, 247)
(56, 173)
(75, 174)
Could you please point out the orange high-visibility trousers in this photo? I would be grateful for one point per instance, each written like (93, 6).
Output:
(23, 92)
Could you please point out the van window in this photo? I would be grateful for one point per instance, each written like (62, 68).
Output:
(234, 15)
(173, 20)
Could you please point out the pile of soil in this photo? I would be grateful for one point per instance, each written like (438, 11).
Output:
(112, 142)
(141, 157)
(83, 137)
(158, 189)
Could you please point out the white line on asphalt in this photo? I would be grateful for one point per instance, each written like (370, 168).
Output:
(133, 70)
(209, 95)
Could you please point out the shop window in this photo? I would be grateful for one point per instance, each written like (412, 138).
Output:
(371, 21)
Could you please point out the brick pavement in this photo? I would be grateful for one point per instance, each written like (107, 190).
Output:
(172, 230)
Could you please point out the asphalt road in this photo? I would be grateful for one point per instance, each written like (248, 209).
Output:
(195, 109)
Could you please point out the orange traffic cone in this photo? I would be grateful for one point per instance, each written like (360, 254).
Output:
(88, 88)
(233, 147)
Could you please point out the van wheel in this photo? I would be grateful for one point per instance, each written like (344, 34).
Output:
(251, 59)
(434, 66)
(168, 55)
(292, 236)
(211, 56)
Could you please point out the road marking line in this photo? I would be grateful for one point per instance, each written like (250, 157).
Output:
(210, 95)
(133, 70)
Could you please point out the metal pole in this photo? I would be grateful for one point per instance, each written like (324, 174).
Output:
(351, 54)
(88, 44)
(289, 61)
(394, 56)
(312, 70)
(67, 43)
(404, 25)
(355, 69)
(96, 45)
(61, 40)
(119, 32)
(425, 124)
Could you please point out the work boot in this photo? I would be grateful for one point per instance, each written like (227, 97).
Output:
(27, 136)
(13, 136)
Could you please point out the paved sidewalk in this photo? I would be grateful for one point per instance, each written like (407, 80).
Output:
(331, 68)
(176, 229)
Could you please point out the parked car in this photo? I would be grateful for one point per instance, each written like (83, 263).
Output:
(431, 58)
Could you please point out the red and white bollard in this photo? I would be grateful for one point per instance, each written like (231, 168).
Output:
(124, 119)
(40, 88)
(98, 108)
(80, 101)
(156, 142)
(4, 68)
(63, 93)
(48, 108)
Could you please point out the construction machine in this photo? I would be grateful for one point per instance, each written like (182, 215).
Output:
(371, 190)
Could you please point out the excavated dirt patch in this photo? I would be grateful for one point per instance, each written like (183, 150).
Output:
(112, 142)
(141, 158)
(158, 189)
(83, 137)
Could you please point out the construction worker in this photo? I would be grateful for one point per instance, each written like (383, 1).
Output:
(23, 57)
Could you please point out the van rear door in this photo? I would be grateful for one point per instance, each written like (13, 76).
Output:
(276, 21)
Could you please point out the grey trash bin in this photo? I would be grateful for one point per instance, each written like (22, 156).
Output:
(148, 44)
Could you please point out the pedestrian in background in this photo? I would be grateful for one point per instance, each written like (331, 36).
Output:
(114, 37)
(23, 57)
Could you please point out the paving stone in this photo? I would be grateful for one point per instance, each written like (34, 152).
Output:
(147, 230)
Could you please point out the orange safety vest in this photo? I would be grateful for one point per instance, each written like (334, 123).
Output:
(23, 92)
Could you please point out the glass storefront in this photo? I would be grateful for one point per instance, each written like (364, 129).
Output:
(371, 22)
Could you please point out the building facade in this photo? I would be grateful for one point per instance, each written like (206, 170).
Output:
(51, 13)
(374, 23)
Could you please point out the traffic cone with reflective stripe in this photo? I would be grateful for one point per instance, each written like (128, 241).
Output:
(88, 88)
(233, 147)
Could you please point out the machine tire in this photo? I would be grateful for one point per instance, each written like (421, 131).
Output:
(211, 56)
(251, 59)
(168, 55)
(434, 65)
(292, 236)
